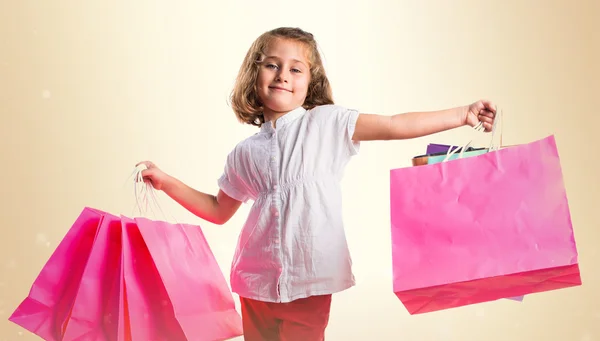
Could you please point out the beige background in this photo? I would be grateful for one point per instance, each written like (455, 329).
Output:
(89, 88)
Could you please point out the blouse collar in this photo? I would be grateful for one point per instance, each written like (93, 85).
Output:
(283, 120)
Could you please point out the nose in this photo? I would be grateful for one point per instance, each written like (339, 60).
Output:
(282, 76)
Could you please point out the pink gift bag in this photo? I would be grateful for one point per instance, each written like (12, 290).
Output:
(45, 311)
(146, 312)
(199, 294)
(123, 279)
(90, 314)
(481, 228)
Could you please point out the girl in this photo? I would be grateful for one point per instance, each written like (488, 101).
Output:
(292, 253)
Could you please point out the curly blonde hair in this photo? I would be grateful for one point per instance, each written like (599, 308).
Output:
(244, 97)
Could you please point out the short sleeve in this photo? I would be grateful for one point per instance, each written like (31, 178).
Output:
(231, 181)
(348, 118)
(341, 123)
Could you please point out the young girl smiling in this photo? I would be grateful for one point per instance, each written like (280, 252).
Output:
(292, 253)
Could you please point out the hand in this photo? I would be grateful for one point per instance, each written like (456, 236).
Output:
(153, 175)
(481, 111)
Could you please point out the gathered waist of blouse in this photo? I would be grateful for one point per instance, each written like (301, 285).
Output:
(328, 178)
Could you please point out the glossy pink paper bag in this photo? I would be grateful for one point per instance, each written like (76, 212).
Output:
(45, 311)
(94, 307)
(113, 279)
(172, 287)
(481, 228)
(195, 286)
(145, 312)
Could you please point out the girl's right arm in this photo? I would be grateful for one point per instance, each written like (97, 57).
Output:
(215, 209)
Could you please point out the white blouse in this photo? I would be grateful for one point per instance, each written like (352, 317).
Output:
(293, 243)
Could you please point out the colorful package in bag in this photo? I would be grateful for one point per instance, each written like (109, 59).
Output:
(481, 228)
(435, 148)
(440, 154)
(125, 279)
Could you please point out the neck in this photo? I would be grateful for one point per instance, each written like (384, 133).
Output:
(272, 116)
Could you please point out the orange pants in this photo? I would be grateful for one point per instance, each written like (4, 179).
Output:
(303, 319)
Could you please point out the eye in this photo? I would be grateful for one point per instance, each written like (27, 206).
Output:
(271, 66)
(296, 70)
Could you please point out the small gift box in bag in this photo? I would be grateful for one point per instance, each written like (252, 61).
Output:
(493, 225)
(118, 278)
(440, 154)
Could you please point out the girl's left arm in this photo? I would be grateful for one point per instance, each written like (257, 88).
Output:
(410, 125)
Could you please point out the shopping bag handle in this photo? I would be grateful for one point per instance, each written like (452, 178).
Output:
(145, 195)
(479, 127)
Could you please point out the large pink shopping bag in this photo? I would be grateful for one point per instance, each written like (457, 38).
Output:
(439, 152)
(145, 312)
(482, 228)
(45, 311)
(108, 281)
(94, 312)
(196, 287)
(172, 287)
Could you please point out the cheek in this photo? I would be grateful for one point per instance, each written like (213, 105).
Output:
(260, 80)
(263, 80)
(305, 84)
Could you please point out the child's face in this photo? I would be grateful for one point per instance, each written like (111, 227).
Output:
(284, 76)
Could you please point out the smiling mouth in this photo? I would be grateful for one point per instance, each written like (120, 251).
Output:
(278, 88)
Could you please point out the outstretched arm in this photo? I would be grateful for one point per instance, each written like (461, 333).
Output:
(217, 209)
(410, 125)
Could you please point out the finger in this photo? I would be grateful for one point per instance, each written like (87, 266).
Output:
(147, 176)
(486, 114)
(142, 176)
(148, 164)
(488, 111)
(486, 119)
(487, 126)
(488, 106)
